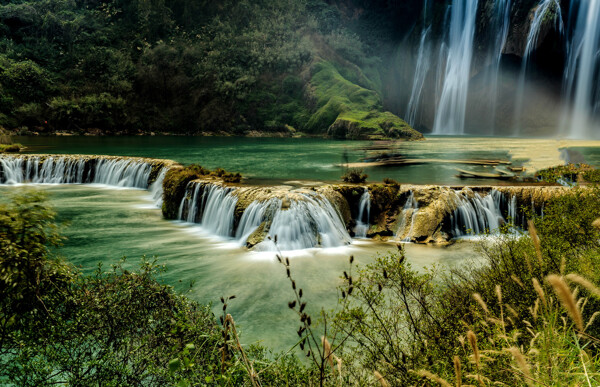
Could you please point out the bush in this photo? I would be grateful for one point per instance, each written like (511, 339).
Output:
(115, 327)
(355, 176)
(10, 148)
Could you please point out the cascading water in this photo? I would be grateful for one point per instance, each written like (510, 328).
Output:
(477, 214)
(422, 69)
(409, 212)
(364, 214)
(122, 173)
(256, 213)
(499, 33)
(210, 205)
(309, 222)
(581, 76)
(156, 188)
(450, 114)
(117, 172)
(539, 18)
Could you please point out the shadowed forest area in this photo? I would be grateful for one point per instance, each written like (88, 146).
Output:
(192, 67)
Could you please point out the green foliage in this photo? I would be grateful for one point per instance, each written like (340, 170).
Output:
(354, 176)
(183, 66)
(508, 307)
(351, 109)
(568, 173)
(102, 111)
(10, 148)
(115, 327)
(26, 81)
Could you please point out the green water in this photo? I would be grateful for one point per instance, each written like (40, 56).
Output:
(106, 224)
(280, 159)
(103, 224)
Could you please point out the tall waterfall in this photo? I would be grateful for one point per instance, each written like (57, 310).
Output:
(499, 33)
(364, 214)
(119, 172)
(450, 114)
(481, 214)
(539, 16)
(422, 68)
(581, 77)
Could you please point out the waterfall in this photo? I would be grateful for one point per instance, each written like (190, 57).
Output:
(364, 214)
(156, 188)
(131, 173)
(419, 79)
(122, 173)
(500, 27)
(450, 114)
(512, 210)
(539, 17)
(210, 205)
(256, 213)
(409, 211)
(479, 214)
(581, 79)
(309, 222)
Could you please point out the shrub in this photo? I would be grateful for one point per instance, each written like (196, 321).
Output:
(10, 148)
(355, 176)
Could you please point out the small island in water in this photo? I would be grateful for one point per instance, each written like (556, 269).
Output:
(306, 193)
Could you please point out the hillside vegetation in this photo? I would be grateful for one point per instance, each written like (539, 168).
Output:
(192, 67)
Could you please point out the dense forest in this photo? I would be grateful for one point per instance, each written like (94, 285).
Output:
(199, 67)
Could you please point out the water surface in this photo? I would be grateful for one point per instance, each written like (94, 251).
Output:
(272, 160)
(104, 224)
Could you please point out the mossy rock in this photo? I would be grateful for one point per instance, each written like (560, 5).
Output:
(346, 110)
(257, 236)
(174, 185)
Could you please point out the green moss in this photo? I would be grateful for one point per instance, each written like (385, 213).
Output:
(174, 184)
(10, 148)
(569, 173)
(347, 110)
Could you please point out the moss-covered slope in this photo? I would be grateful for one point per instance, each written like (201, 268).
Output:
(346, 110)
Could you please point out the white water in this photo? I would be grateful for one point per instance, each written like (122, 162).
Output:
(364, 214)
(310, 222)
(450, 114)
(582, 83)
(210, 205)
(129, 173)
(256, 213)
(481, 214)
(539, 16)
(421, 71)
(156, 188)
(409, 211)
(500, 28)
